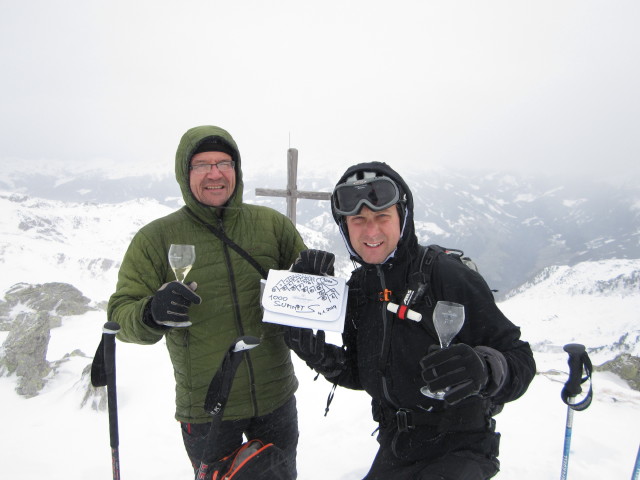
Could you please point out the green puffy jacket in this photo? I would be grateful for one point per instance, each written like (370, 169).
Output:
(228, 285)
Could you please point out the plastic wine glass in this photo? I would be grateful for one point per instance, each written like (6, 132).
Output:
(181, 258)
(448, 318)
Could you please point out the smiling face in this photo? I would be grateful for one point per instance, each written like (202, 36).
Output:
(374, 235)
(212, 188)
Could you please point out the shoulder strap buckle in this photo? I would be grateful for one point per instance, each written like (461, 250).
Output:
(385, 295)
(404, 420)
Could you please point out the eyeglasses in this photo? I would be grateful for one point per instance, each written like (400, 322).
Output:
(377, 193)
(224, 166)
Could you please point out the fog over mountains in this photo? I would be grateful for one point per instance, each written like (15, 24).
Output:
(513, 227)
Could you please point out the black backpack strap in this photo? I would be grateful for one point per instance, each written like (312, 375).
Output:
(422, 278)
(420, 289)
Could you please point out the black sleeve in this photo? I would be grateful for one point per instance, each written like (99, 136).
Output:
(349, 377)
(485, 324)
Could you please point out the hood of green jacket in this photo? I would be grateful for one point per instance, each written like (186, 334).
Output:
(189, 142)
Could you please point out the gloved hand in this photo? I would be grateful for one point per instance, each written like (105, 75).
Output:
(458, 368)
(312, 348)
(314, 262)
(170, 305)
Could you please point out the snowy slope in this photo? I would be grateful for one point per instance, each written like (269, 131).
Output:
(593, 303)
(78, 243)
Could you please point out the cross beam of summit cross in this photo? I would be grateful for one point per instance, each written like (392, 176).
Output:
(291, 193)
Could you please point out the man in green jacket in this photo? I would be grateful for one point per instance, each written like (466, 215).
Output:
(198, 327)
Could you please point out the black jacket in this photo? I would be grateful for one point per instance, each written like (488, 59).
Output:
(383, 352)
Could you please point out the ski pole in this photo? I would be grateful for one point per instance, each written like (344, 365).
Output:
(103, 373)
(636, 470)
(578, 362)
(218, 394)
(567, 444)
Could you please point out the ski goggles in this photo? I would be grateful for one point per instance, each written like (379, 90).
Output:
(377, 193)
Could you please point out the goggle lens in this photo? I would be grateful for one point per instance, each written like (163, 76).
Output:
(377, 193)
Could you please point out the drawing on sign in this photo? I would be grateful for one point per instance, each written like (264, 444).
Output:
(304, 301)
(297, 292)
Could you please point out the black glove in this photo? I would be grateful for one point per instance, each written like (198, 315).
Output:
(314, 262)
(458, 369)
(325, 359)
(170, 305)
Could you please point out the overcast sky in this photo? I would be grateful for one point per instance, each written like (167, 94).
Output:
(523, 85)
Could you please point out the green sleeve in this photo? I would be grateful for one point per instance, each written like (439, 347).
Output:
(142, 272)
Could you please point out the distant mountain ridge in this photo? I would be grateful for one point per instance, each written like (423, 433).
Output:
(594, 303)
(614, 277)
(513, 227)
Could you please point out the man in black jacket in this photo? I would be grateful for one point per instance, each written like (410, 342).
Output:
(396, 358)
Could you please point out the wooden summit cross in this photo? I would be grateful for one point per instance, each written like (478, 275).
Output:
(292, 193)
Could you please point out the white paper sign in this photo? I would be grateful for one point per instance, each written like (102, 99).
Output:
(306, 301)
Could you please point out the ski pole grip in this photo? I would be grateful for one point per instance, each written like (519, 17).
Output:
(111, 328)
(109, 331)
(579, 362)
(573, 386)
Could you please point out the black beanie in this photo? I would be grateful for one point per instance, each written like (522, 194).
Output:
(215, 145)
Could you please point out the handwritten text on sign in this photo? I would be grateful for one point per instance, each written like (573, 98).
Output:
(304, 296)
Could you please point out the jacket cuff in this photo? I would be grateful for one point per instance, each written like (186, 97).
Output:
(147, 319)
(498, 369)
(333, 364)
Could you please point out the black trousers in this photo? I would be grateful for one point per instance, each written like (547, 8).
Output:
(279, 427)
(454, 466)
(452, 456)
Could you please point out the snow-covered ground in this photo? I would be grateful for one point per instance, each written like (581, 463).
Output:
(51, 435)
